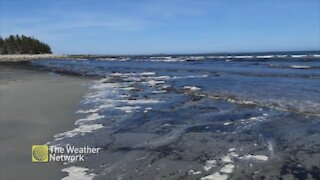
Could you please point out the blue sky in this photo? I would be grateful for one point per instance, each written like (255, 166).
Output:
(165, 26)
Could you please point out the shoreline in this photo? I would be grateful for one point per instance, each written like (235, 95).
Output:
(28, 57)
(13, 58)
(54, 98)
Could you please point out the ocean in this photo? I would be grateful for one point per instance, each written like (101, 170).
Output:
(220, 116)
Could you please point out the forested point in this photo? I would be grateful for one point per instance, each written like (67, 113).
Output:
(15, 44)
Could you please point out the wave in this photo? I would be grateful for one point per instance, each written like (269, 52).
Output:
(180, 58)
(293, 66)
(114, 59)
(235, 57)
(300, 67)
(113, 94)
(307, 108)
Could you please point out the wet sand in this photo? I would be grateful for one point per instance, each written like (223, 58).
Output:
(34, 105)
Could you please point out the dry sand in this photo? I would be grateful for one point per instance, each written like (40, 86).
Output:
(34, 106)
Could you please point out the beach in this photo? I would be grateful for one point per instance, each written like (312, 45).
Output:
(34, 105)
(160, 90)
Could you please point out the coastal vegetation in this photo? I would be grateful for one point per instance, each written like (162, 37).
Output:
(16, 44)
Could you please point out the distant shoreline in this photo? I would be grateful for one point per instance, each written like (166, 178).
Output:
(283, 55)
(28, 57)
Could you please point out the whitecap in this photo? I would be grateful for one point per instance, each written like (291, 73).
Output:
(299, 56)
(147, 73)
(192, 88)
(160, 91)
(300, 67)
(153, 82)
(128, 109)
(141, 101)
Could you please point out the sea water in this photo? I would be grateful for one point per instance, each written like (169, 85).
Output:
(197, 117)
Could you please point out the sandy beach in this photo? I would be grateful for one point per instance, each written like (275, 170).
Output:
(34, 105)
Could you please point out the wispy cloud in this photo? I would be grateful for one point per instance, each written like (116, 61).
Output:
(162, 24)
(66, 23)
(58, 17)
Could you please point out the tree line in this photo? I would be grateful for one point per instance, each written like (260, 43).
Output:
(15, 44)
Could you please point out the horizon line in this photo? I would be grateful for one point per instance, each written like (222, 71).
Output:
(203, 53)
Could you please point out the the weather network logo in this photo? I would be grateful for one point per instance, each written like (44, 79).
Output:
(40, 153)
(45, 153)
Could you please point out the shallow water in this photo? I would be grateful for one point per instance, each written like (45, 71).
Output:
(208, 118)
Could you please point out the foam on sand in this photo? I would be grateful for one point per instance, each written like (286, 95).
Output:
(270, 148)
(75, 173)
(228, 162)
(90, 117)
(225, 170)
(88, 111)
(108, 95)
(192, 172)
(83, 129)
(255, 157)
(209, 164)
(215, 176)
(228, 168)
(226, 159)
